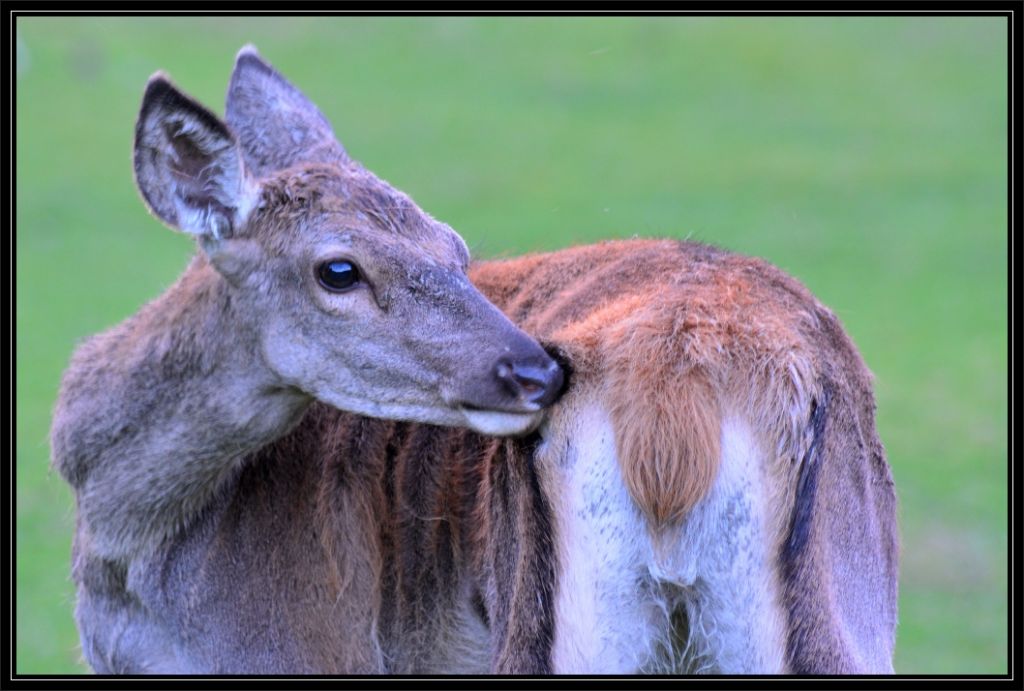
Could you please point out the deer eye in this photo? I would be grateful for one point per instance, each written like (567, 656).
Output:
(338, 275)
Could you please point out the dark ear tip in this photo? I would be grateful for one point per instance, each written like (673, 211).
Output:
(159, 83)
(162, 96)
(162, 93)
(159, 89)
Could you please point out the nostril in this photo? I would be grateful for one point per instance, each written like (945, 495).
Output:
(535, 384)
(530, 386)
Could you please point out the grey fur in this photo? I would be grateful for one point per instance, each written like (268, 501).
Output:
(158, 415)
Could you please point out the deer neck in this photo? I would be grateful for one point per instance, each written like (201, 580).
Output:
(156, 413)
(200, 344)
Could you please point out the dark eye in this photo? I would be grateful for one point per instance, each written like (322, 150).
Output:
(338, 276)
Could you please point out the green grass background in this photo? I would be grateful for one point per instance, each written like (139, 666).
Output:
(867, 156)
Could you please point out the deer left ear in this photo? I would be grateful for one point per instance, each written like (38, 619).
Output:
(188, 165)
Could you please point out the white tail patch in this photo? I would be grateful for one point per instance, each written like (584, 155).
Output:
(721, 557)
(606, 615)
(620, 581)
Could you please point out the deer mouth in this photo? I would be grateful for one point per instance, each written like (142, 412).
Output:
(513, 400)
(500, 423)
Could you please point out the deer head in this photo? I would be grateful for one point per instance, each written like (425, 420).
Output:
(349, 292)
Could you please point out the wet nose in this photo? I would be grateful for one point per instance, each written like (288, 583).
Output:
(531, 381)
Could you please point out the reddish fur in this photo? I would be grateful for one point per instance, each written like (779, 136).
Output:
(675, 332)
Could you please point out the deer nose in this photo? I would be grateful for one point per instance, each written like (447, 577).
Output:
(532, 381)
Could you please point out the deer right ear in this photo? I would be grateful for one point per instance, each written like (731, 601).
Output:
(277, 125)
(188, 165)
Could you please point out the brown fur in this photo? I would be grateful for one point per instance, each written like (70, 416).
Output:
(676, 331)
(227, 523)
(417, 523)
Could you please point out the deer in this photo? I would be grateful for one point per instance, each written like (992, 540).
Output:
(337, 446)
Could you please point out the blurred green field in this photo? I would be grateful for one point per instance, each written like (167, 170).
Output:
(866, 156)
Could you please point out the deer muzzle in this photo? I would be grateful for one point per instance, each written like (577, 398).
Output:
(512, 399)
(532, 381)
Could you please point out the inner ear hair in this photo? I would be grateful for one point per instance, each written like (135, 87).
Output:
(188, 165)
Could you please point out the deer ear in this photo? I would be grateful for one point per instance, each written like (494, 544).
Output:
(188, 165)
(277, 125)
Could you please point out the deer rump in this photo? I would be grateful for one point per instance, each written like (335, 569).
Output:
(709, 494)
